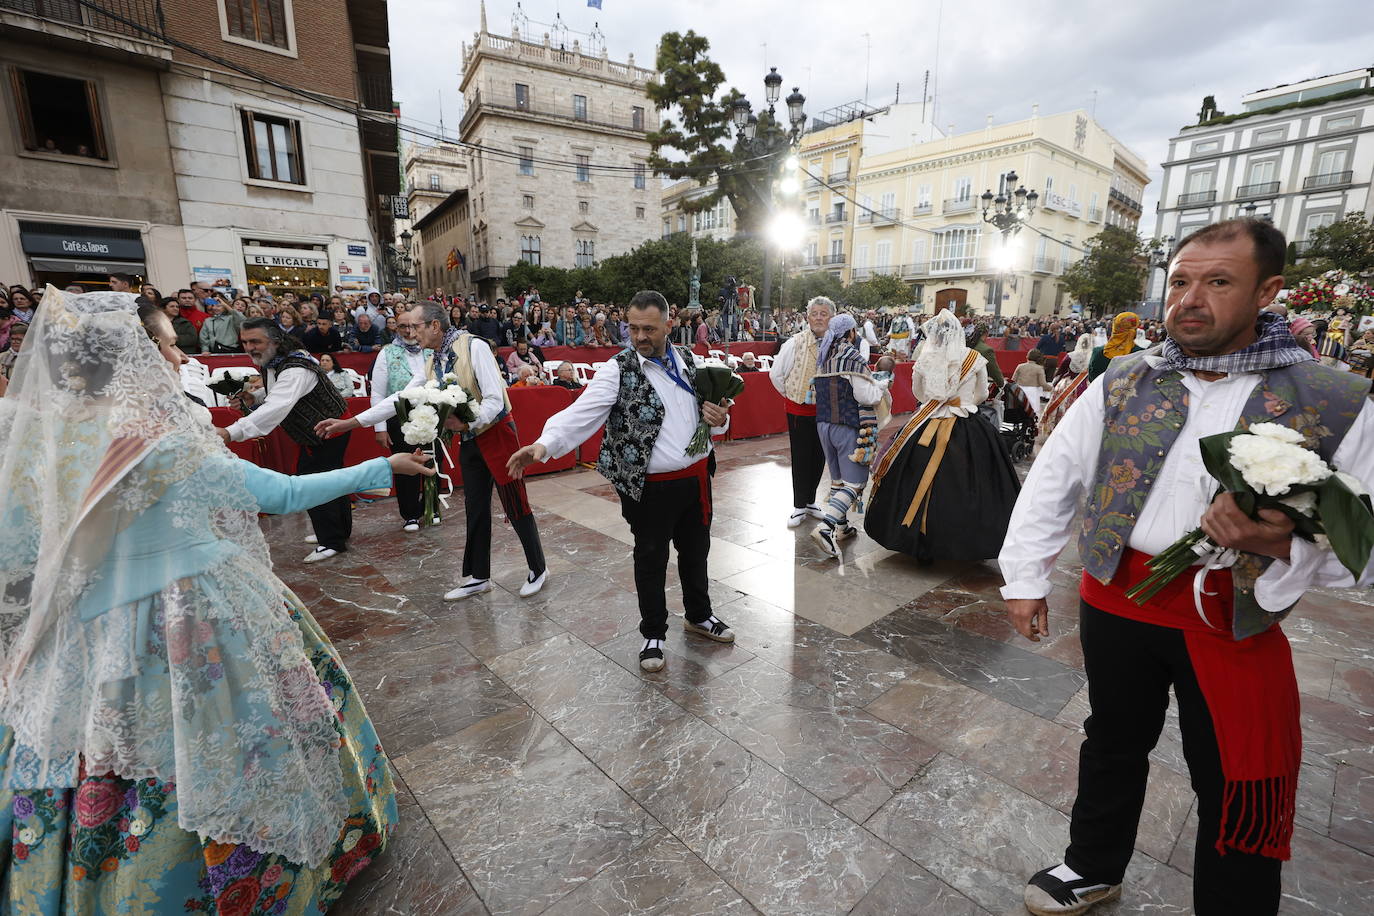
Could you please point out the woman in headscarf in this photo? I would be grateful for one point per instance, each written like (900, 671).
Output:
(1306, 334)
(1120, 343)
(176, 732)
(945, 487)
(848, 407)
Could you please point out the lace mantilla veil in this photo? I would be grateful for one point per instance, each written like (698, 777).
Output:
(142, 629)
(940, 356)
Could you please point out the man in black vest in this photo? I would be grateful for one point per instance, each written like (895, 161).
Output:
(650, 409)
(295, 395)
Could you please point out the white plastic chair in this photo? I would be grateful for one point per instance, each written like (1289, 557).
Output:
(732, 361)
(583, 371)
(718, 354)
(698, 360)
(551, 369)
(765, 363)
(359, 383)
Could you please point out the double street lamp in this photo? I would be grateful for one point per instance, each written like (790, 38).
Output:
(1161, 251)
(1007, 212)
(769, 141)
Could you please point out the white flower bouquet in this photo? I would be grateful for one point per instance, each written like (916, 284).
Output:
(423, 411)
(1267, 467)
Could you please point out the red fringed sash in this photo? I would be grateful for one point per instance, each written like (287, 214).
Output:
(1251, 692)
(497, 444)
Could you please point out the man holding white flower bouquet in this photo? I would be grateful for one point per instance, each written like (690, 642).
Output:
(462, 365)
(659, 410)
(1186, 589)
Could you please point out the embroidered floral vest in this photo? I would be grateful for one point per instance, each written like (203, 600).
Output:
(634, 424)
(1145, 408)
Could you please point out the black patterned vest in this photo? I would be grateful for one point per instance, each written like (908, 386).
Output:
(634, 424)
(1146, 407)
(323, 402)
(835, 401)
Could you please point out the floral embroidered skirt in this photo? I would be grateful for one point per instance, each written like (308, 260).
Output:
(113, 845)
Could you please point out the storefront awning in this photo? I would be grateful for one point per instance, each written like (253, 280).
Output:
(79, 266)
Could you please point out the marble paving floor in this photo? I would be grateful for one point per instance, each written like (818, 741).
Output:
(877, 741)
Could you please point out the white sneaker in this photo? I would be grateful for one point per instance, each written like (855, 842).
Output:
(468, 589)
(411, 525)
(533, 583)
(816, 512)
(320, 553)
(798, 516)
(436, 520)
(824, 535)
(311, 539)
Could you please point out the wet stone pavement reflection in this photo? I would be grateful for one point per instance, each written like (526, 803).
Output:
(877, 741)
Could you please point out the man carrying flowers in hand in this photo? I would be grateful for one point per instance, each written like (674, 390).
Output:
(1131, 446)
(486, 445)
(649, 399)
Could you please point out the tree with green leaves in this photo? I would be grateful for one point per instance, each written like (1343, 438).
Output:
(697, 126)
(1347, 244)
(1111, 276)
(878, 291)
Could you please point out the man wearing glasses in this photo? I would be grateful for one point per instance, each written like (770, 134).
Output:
(396, 364)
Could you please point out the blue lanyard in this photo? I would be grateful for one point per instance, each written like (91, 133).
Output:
(670, 366)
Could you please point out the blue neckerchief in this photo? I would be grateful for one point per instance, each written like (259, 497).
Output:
(669, 365)
(446, 349)
(277, 360)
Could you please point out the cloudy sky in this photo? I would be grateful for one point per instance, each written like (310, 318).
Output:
(1142, 68)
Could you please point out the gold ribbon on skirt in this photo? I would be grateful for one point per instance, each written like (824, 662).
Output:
(938, 431)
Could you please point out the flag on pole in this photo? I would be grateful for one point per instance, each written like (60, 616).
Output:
(594, 4)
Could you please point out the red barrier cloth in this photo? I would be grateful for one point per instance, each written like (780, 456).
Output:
(759, 410)
(531, 408)
(903, 401)
(360, 363)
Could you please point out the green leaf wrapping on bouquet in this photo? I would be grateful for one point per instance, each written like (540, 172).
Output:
(1349, 523)
(1216, 457)
(714, 384)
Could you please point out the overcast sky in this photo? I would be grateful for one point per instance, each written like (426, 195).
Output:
(1142, 68)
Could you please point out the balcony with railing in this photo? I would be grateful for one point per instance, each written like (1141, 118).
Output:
(959, 205)
(1261, 189)
(533, 105)
(1327, 180)
(838, 177)
(833, 260)
(1044, 265)
(813, 218)
(141, 20)
(838, 216)
(1125, 200)
(1195, 198)
(924, 209)
(918, 269)
(374, 92)
(1094, 214)
(810, 261)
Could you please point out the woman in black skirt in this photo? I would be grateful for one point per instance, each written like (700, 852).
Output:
(945, 486)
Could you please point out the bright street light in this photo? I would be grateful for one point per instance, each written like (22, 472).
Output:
(785, 231)
(789, 185)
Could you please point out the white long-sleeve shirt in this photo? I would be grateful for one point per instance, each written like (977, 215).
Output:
(283, 391)
(488, 379)
(381, 377)
(1045, 512)
(782, 365)
(575, 424)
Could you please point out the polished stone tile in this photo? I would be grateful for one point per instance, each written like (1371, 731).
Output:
(1021, 678)
(1353, 686)
(690, 660)
(415, 874)
(912, 891)
(852, 671)
(492, 624)
(1352, 814)
(844, 755)
(527, 817)
(820, 597)
(660, 878)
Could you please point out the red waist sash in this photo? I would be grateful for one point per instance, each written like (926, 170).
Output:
(701, 472)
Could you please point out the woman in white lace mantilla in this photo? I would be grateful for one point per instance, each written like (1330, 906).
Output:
(176, 733)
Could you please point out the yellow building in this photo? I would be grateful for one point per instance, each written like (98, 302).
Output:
(916, 211)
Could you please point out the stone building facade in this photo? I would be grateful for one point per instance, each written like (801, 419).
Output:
(557, 155)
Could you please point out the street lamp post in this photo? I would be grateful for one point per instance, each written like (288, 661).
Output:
(766, 139)
(1007, 212)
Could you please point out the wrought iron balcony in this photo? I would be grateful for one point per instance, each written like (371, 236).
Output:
(922, 209)
(838, 177)
(1263, 189)
(1044, 265)
(833, 259)
(836, 217)
(374, 92)
(1327, 180)
(1094, 214)
(959, 205)
(140, 19)
(1197, 197)
(1129, 202)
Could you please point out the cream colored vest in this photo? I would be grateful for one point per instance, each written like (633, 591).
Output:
(798, 383)
(467, 377)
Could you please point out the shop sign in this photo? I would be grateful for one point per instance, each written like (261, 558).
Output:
(400, 207)
(92, 245)
(221, 277)
(286, 257)
(357, 251)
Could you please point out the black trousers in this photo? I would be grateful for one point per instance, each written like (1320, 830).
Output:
(332, 521)
(408, 501)
(477, 486)
(1130, 666)
(669, 512)
(808, 460)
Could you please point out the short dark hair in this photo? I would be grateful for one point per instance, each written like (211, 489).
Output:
(1271, 248)
(180, 291)
(650, 299)
(122, 277)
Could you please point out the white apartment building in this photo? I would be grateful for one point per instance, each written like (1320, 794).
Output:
(919, 212)
(1301, 154)
(718, 222)
(558, 160)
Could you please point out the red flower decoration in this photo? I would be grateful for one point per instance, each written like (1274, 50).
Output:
(239, 898)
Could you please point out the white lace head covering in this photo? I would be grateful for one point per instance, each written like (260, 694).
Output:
(142, 630)
(941, 355)
(1078, 359)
